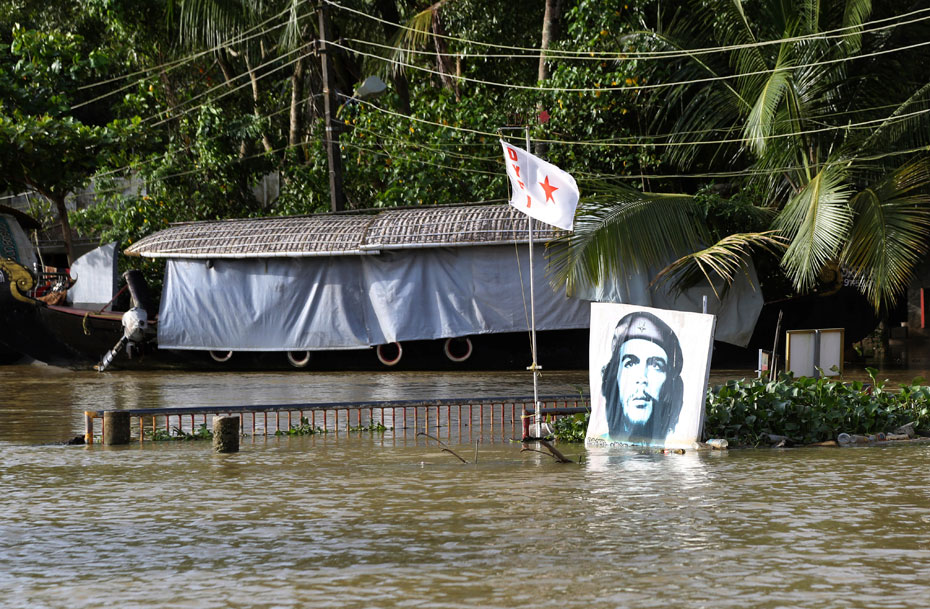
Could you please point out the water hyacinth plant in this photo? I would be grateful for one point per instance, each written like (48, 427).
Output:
(176, 433)
(805, 410)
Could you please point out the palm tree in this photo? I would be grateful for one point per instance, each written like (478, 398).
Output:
(822, 107)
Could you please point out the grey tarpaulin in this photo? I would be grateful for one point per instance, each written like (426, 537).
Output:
(96, 278)
(350, 302)
(737, 310)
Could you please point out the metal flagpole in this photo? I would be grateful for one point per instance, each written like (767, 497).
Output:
(534, 367)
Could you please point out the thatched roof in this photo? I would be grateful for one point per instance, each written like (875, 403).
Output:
(343, 234)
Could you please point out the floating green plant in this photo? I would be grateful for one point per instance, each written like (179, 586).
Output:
(303, 429)
(571, 428)
(176, 433)
(372, 427)
(804, 410)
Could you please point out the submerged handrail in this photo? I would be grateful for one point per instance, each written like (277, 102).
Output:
(549, 406)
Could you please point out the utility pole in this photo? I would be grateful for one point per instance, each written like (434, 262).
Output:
(336, 197)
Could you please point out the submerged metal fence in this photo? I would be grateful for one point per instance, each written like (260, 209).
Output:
(490, 418)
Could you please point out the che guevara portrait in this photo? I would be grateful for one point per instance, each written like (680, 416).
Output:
(649, 371)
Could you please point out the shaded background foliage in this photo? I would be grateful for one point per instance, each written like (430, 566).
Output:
(198, 101)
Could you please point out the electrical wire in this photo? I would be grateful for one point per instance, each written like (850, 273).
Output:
(232, 90)
(852, 31)
(563, 55)
(170, 65)
(141, 80)
(849, 126)
(422, 162)
(662, 85)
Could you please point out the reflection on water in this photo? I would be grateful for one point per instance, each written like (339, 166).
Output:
(365, 520)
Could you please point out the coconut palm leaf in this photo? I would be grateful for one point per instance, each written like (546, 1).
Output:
(414, 35)
(907, 125)
(759, 124)
(210, 23)
(625, 231)
(817, 222)
(719, 263)
(855, 14)
(890, 233)
(291, 37)
(696, 113)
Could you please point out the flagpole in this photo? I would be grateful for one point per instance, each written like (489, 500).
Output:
(534, 367)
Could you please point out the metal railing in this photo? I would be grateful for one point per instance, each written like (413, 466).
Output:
(491, 418)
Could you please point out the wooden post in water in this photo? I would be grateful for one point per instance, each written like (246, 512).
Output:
(226, 434)
(115, 428)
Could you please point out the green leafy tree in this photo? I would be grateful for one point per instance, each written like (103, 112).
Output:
(45, 145)
(815, 105)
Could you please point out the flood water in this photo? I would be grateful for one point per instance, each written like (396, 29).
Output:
(384, 520)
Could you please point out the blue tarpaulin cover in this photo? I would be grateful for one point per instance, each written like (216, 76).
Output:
(351, 302)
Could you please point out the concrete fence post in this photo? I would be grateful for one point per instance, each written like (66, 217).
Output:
(115, 428)
(225, 434)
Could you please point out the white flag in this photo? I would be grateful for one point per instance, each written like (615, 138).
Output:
(540, 189)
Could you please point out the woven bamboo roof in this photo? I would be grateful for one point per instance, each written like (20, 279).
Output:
(342, 234)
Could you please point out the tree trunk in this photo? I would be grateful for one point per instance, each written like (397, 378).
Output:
(59, 201)
(255, 99)
(297, 93)
(549, 31)
(228, 78)
(550, 23)
(442, 61)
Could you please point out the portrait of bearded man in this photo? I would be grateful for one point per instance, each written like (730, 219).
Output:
(641, 383)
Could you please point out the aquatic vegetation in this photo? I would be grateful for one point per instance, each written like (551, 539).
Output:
(571, 428)
(809, 410)
(303, 429)
(803, 410)
(373, 427)
(176, 433)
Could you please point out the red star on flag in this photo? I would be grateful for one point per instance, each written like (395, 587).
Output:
(549, 188)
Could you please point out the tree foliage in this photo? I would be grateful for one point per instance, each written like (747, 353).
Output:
(806, 120)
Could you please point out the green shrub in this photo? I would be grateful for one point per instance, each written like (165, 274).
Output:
(806, 410)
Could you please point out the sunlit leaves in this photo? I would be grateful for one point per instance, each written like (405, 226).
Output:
(817, 222)
(721, 263)
(626, 232)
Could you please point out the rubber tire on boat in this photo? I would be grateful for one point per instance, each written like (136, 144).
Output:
(386, 361)
(299, 363)
(447, 349)
(220, 356)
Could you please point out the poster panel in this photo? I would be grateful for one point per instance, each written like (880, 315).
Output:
(649, 372)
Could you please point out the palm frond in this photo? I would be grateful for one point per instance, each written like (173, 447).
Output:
(719, 263)
(890, 233)
(908, 125)
(855, 14)
(414, 35)
(625, 232)
(760, 122)
(712, 109)
(816, 221)
(291, 37)
(210, 23)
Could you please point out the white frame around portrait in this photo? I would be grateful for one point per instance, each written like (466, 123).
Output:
(695, 333)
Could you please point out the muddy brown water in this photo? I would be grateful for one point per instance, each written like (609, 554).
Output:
(382, 520)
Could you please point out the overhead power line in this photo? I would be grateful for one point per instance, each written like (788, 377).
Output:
(860, 125)
(563, 55)
(662, 85)
(852, 30)
(170, 65)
